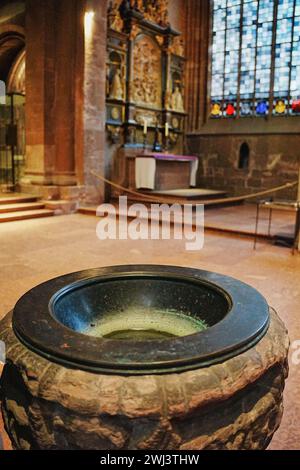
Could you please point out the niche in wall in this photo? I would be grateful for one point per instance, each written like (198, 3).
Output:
(244, 157)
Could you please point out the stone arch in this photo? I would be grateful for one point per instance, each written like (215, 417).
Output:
(12, 42)
(16, 78)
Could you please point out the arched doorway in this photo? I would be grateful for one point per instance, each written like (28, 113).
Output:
(12, 113)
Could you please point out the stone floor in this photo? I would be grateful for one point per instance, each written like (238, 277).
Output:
(242, 219)
(35, 250)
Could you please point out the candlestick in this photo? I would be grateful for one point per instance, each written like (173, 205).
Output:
(167, 130)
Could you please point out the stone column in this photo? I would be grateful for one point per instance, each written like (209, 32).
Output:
(65, 73)
(197, 18)
(95, 31)
(51, 54)
(40, 76)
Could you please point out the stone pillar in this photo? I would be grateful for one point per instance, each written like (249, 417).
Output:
(95, 33)
(65, 72)
(197, 18)
(40, 76)
(51, 53)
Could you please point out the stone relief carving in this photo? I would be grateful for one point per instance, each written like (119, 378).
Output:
(177, 47)
(160, 40)
(151, 118)
(114, 133)
(115, 21)
(147, 72)
(135, 72)
(155, 11)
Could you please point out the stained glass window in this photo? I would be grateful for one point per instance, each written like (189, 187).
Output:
(255, 65)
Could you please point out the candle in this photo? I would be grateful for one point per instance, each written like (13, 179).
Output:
(167, 129)
(145, 126)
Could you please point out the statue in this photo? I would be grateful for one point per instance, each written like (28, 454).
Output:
(116, 90)
(177, 100)
(115, 21)
(177, 47)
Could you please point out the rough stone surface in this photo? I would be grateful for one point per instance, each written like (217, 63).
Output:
(272, 163)
(233, 405)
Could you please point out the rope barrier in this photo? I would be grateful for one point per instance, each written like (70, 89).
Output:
(173, 200)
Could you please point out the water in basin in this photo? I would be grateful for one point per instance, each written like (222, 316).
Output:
(140, 324)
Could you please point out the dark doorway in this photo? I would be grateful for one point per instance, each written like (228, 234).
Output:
(244, 156)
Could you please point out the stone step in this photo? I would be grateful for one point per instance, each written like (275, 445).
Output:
(17, 199)
(28, 206)
(24, 215)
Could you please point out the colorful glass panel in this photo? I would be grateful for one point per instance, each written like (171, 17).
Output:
(261, 108)
(245, 109)
(230, 110)
(280, 107)
(252, 49)
(216, 110)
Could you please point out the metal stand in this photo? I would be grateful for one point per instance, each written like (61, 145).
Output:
(292, 207)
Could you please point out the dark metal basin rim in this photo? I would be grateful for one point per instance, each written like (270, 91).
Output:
(243, 321)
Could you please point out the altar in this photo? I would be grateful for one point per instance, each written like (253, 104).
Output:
(157, 171)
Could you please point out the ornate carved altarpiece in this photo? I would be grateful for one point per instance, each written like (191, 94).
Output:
(145, 75)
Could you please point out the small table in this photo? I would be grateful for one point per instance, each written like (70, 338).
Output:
(171, 170)
(281, 206)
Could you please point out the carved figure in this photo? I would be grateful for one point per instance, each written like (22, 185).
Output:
(157, 11)
(177, 47)
(116, 90)
(115, 21)
(147, 72)
(177, 100)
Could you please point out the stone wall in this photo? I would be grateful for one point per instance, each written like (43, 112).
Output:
(273, 161)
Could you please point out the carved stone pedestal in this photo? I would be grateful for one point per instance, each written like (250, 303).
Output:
(236, 404)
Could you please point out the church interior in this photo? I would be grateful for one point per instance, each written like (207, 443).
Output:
(186, 103)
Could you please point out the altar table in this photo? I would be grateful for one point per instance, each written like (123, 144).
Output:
(147, 164)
